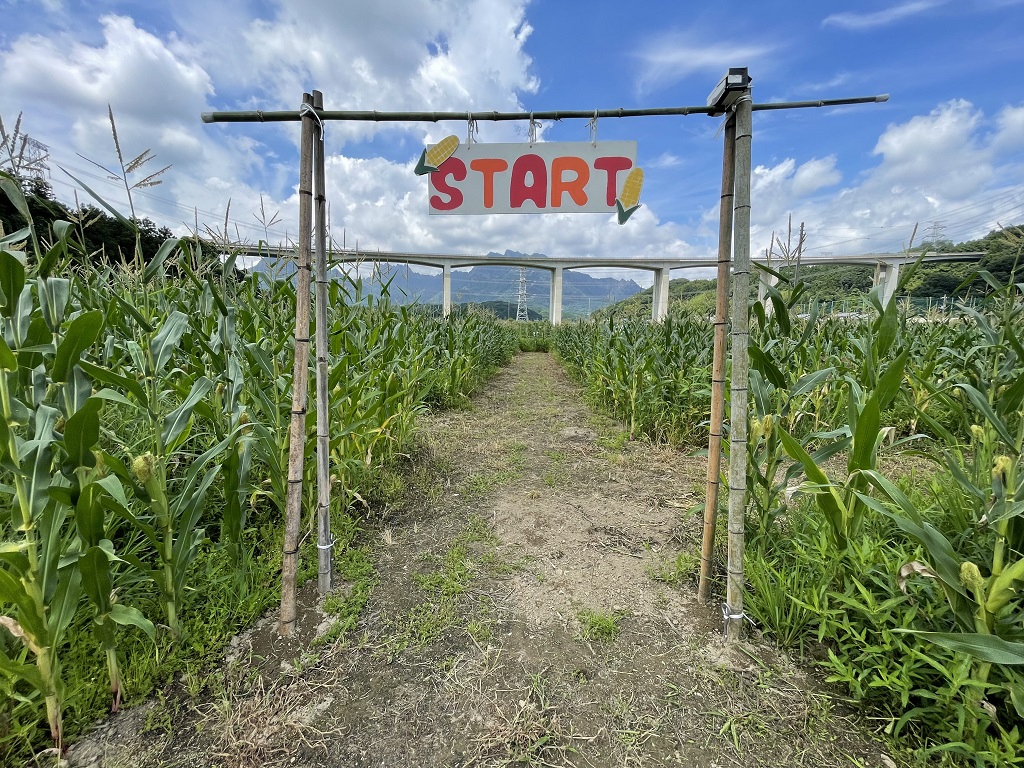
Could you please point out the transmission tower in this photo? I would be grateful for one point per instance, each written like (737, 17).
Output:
(25, 156)
(936, 234)
(36, 155)
(521, 314)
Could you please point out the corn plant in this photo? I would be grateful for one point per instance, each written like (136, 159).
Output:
(165, 399)
(981, 574)
(215, 350)
(48, 431)
(868, 395)
(655, 377)
(780, 386)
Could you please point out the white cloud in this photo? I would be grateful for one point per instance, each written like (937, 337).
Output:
(408, 54)
(942, 166)
(773, 189)
(814, 175)
(673, 57)
(665, 160)
(1009, 129)
(64, 88)
(447, 55)
(858, 21)
(937, 150)
(389, 55)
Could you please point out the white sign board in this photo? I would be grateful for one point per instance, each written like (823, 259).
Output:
(544, 177)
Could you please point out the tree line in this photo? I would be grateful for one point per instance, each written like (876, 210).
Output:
(106, 238)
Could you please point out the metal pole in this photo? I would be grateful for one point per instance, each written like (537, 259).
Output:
(725, 218)
(325, 541)
(300, 380)
(740, 372)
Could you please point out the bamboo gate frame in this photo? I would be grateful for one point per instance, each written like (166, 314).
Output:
(734, 239)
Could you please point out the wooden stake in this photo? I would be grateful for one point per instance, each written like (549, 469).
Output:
(325, 542)
(300, 380)
(740, 373)
(718, 364)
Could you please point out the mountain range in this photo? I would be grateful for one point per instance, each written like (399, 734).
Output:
(581, 293)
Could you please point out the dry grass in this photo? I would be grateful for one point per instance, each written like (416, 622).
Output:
(528, 732)
(256, 723)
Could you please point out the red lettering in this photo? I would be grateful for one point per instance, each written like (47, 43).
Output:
(575, 187)
(439, 180)
(487, 167)
(611, 166)
(537, 191)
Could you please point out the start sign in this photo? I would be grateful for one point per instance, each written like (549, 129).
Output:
(545, 177)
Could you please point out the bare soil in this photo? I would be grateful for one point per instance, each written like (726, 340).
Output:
(534, 605)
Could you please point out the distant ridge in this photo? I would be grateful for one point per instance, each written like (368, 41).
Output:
(581, 293)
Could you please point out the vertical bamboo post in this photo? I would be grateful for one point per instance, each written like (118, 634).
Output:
(740, 371)
(300, 379)
(325, 541)
(718, 362)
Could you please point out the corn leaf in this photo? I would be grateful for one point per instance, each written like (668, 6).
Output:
(990, 648)
(81, 334)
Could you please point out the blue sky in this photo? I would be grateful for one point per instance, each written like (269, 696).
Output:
(947, 150)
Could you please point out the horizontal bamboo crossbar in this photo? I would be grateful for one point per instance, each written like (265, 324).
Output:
(374, 116)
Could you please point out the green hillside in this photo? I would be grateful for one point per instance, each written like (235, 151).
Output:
(847, 282)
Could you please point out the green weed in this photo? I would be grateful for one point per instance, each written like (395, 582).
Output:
(595, 625)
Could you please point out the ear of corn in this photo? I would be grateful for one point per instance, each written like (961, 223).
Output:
(629, 198)
(432, 157)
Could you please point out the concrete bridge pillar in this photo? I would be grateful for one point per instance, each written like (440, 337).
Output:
(764, 281)
(555, 304)
(887, 275)
(659, 303)
(446, 290)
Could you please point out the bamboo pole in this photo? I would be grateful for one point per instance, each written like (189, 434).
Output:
(300, 380)
(260, 116)
(740, 372)
(325, 541)
(718, 365)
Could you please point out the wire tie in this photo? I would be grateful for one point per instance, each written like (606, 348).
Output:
(292, 551)
(328, 545)
(307, 109)
(592, 125)
(729, 614)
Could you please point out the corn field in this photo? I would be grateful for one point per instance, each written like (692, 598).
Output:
(885, 515)
(144, 446)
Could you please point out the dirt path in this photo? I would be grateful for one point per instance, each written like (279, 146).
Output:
(534, 606)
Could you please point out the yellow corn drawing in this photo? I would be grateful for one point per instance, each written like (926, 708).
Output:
(629, 198)
(432, 158)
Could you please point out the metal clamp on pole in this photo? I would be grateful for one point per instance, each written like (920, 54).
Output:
(729, 615)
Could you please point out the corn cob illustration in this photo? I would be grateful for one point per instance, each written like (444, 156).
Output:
(432, 157)
(629, 198)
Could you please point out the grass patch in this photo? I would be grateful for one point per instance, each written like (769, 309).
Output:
(346, 604)
(445, 587)
(595, 625)
(483, 482)
(676, 572)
